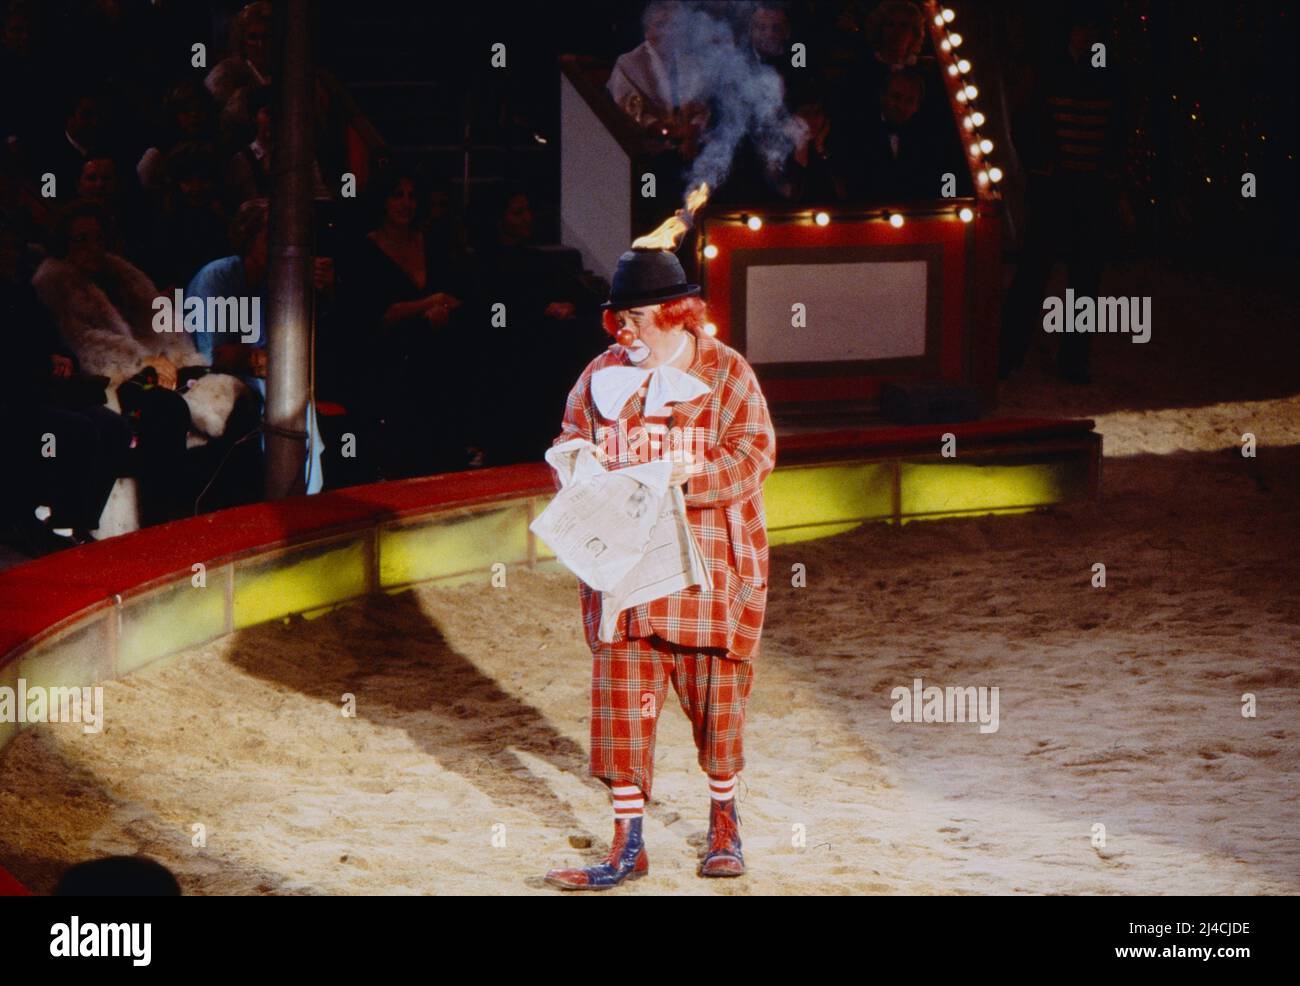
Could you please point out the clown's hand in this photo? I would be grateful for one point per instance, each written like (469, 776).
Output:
(683, 470)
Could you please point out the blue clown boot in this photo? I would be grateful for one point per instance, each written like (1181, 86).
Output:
(627, 860)
(723, 857)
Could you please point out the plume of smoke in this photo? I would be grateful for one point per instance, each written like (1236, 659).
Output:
(745, 97)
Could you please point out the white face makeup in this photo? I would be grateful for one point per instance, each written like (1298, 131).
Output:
(638, 352)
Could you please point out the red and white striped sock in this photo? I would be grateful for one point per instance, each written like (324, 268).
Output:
(722, 788)
(629, 802)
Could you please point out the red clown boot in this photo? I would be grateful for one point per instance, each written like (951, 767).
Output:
(723, 857)
(627, 860)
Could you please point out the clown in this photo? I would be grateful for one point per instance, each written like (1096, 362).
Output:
(699, 404)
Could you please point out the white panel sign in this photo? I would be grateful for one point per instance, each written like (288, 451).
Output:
(857, 311)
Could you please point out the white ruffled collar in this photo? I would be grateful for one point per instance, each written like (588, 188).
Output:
(613, 386)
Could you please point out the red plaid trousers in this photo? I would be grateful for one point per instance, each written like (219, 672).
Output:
(629, 685)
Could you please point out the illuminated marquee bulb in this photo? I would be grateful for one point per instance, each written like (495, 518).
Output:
(945, 45)
(896, 219)
(974, 150)
(977, 118)
(822, 219)
(710, 251)
(947, 15)
(968, 123)
(955, 39)
(986, 145)
(754, 223)
(952, 70)
(961, 94)
(984, 177)
(938, 20)
(963, 66)
(995, 174)
(966, 214)
(971, 92)
(710, 329)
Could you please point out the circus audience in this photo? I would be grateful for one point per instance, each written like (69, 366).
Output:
(161, 173)
(189, 223)
(408, 391)
(551, 328)
(246, 69)
(891, 154)
(656, 84)
(62, 447)
(242, 275)
(187, 119)
(103, 308)
(248, 176)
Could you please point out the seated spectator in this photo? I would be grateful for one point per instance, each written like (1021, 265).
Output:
(895, 32)
(249, 174)
(769, 44)
(43, 396)
(812, 173)
(191, 228)
(98, 182)
(655, 85)
(896, 35)
(403, 294)
(64, 153)
(187, 118)
(103, 308)
(246, 69)
(243, 275)
(892, 155)
(543, 301)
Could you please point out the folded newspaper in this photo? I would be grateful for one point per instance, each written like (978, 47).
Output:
(623, 532)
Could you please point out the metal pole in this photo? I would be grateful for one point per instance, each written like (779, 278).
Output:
(289, 279)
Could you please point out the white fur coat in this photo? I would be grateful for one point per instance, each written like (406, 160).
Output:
(114, 341)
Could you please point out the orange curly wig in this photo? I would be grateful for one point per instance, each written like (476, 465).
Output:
(689, 312)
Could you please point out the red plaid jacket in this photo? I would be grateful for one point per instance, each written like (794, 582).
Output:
(730, 425)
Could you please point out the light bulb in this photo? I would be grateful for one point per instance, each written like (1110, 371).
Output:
(966, 214)
(822, 219)
(754, 223)
(955, 39)
(947, 15)
(978, 118)
(710, 329)
(963, 66)
(896, 220)
(971, 92)
(710, 251)
(995, 174)
(986, 145)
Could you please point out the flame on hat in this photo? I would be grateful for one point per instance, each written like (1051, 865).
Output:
(671, 230)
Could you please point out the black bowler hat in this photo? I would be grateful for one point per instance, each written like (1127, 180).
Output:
(648, 277)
